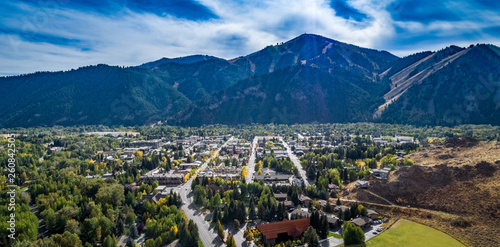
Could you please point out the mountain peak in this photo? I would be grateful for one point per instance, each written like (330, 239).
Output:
(180, 60)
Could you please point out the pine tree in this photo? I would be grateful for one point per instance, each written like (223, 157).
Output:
(220, 230)
(311, 238)
(323, 229)
(230, 241)
(251, 210)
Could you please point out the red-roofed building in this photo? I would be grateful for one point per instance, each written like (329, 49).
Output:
(277, 232)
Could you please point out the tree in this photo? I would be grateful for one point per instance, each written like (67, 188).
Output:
(354, 210)
(112, 194)
(215, 201)
(338, 202)
(230, 241)
(67, 239)
(133, 232)
(347, 215)
(315, 220)
(109, 241)
(199, 195)
(311, 238)
(251, 210)
(353, 234)
(236, 224)
(130, 242)
(220, 230)
(215, 215)
(88, 231)
(407, 162)
(324, 228)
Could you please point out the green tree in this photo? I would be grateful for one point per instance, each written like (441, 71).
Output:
(199, 195)
(311, 238)
(353, 234)
(112, 194)
(251, 210)
(230, 241)
(110, 241)
(133, 232)
(220, 230)
(236, 224)
(324, 228)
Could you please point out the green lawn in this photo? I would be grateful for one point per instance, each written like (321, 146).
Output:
(200, 244)
(335, 235)
(411, 234)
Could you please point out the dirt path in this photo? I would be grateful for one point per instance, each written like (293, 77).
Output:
(382, 198)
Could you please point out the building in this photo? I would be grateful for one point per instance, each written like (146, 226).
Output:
(305, 200)
(277, 178)
(362, 184)
(300, 214)
(362, 222)
(163, 178)
(227, 173)
(285, 230)
(341, 207)
(322, 203)
(280, 196)
(372, 214)
(289, 205)
(146, 143)
(185, 166)
(381, 173)
(333, 188)
(332, 221)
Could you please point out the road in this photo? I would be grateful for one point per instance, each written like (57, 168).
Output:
(207, 236)
(251, 163)
(296, 162)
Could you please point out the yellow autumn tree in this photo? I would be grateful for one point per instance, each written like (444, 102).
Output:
(244, 172)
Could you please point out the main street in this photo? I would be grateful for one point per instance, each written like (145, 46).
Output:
(251, 162)
(296, 162)
(207, 236)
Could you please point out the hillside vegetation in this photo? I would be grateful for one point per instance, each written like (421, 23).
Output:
(455, 181)
(309, 79)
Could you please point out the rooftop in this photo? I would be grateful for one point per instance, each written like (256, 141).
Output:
(293, 228)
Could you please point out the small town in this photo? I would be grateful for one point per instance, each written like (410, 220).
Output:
(328, 187)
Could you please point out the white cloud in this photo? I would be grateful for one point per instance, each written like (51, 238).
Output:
(131, 38)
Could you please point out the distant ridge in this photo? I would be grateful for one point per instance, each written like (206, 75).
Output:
(307, 79)
(179, 60)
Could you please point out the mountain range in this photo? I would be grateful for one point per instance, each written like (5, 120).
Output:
(307, 79)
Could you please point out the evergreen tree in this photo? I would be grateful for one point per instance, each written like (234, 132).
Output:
(215, 215)
(220, 230)
(230, 241)
(251, 210)
(311, 238)
(354, 210)
(347, 215)
(323, 229)
(109, 241)
(133, 232)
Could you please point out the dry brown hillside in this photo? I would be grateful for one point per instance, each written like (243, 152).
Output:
(458, 152)
(460, 177)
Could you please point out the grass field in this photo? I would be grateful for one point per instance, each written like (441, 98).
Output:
(335, 235)
(411, 234)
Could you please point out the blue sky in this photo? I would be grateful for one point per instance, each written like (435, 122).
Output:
(51, 35)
